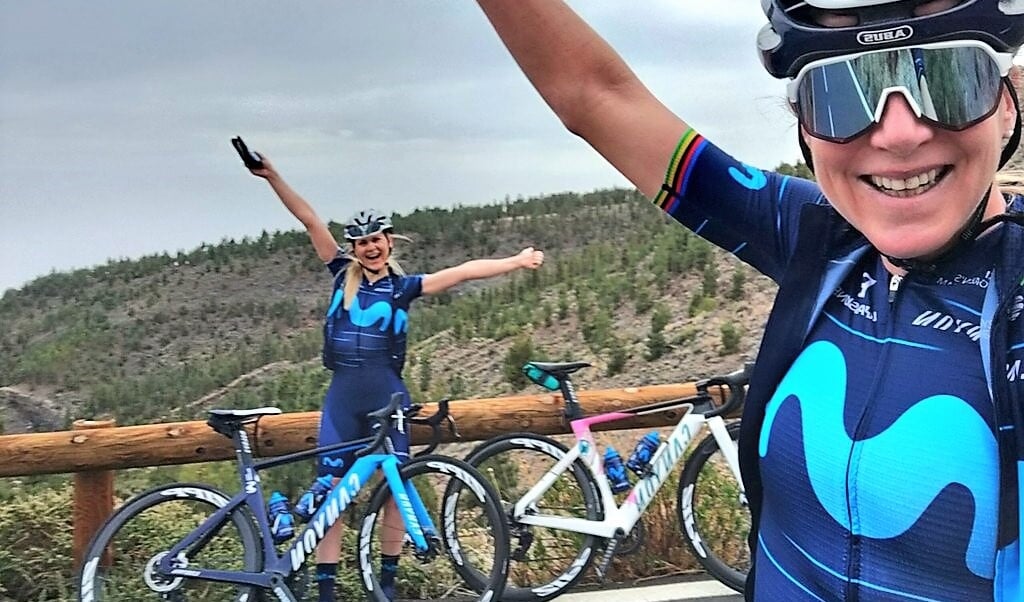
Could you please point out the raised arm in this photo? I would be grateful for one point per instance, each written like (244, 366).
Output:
(474, 269)
(588, 85)
(319, 234)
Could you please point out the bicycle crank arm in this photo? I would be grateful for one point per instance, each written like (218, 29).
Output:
(609, 552)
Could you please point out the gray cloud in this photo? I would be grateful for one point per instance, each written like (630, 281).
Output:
(115, 116)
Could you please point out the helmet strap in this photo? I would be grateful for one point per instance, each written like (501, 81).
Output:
(804, 149)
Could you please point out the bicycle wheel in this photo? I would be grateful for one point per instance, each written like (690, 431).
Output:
(471, 537)
(713, 513)
(545, 562)
(120, 563)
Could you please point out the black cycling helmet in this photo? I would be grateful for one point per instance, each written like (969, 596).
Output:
(795, 36)
(367, 223)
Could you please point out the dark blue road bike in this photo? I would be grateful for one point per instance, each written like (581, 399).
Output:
(191, 542)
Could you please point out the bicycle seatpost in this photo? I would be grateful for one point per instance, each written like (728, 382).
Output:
(572, 410)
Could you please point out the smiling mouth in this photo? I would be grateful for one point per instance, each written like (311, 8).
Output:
(907, 187)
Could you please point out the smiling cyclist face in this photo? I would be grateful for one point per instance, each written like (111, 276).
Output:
(907, 182)
(373, 251)
(909, 186)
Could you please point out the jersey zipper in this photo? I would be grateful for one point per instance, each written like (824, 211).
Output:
(894, 287)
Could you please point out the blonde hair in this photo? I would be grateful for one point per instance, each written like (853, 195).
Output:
(1011, 181)
(354, 271)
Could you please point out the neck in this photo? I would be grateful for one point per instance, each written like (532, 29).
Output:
(375, 276)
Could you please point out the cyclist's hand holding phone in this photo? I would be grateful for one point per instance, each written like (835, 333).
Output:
(250, 159)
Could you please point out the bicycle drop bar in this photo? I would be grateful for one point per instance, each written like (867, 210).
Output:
(434, 422)
(735, 382)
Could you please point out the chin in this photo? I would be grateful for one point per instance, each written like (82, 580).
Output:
(908, 249)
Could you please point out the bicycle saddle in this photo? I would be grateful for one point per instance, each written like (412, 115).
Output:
(226, 422)
(560, 368)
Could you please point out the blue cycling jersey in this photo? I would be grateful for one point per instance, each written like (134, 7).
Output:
(878, 454)
(372, 331)
(368, 342)
(868, 491)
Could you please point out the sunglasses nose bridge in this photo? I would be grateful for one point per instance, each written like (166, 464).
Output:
(915, 107)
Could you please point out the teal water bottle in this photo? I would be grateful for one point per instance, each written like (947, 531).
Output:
(282, 524)
(640, 459)
(314, 496)
(615, 470)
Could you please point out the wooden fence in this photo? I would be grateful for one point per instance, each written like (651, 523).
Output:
(94, 449)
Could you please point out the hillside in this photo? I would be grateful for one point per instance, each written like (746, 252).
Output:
(238, 323)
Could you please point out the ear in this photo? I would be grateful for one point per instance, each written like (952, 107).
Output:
(1014, 81)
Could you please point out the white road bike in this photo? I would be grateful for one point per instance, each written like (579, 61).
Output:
(562, 511)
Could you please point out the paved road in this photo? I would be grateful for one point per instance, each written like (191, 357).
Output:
(678, 591)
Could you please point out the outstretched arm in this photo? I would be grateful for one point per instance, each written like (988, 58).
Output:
(474, 269)
(319, 234)
(588, 85)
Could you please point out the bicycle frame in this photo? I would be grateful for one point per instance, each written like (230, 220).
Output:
(621, 519)
(277, 567)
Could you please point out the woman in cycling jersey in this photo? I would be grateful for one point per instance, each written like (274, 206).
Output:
(365, 341)
(883, 435)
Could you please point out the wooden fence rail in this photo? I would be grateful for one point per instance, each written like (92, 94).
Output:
(94, 449)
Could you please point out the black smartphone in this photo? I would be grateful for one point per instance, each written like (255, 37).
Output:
(251, 159)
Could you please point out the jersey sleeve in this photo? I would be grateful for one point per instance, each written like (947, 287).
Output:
(339, 263)
(750, 213)
(412, 287)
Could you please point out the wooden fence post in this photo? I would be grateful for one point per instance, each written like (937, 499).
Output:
(93, 496)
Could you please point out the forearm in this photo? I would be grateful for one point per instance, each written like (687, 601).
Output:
(486, 268)
(471, 270)
(589, 86)
(568, 63)
(294, 202)
(320, 236)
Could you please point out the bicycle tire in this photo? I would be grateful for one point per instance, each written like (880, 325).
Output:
(472, 538)
(544, 562)
(146, 526)
(713, 513)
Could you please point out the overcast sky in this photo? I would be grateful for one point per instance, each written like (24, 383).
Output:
(116, 116)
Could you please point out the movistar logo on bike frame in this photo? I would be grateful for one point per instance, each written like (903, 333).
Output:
(339, 499)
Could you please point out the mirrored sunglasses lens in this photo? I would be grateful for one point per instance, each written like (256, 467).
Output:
(831, 103)
(953, 88)
(962, 86)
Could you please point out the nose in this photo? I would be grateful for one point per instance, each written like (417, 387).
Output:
(899, 131)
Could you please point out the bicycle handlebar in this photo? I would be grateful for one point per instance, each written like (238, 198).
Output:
(736, 382)
(386, 416)
(434, 422)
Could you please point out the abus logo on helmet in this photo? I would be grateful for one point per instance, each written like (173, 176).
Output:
(884, 36)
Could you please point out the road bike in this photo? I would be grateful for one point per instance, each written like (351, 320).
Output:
(563, 513)
(186, 541)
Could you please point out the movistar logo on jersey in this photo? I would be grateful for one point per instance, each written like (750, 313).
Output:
(378, 311)
(938, 320)
(944, 424)
(885, 36)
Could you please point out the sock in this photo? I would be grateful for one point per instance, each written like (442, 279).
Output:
(325, 573)
(388, 570)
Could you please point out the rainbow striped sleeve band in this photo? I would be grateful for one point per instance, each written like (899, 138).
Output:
(679, 168)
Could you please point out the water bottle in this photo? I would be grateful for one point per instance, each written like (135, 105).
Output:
(615, 470)
(314, 496)
(282, 524)
(642, 454)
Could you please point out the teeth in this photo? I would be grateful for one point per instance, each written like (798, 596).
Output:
(922, 180)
